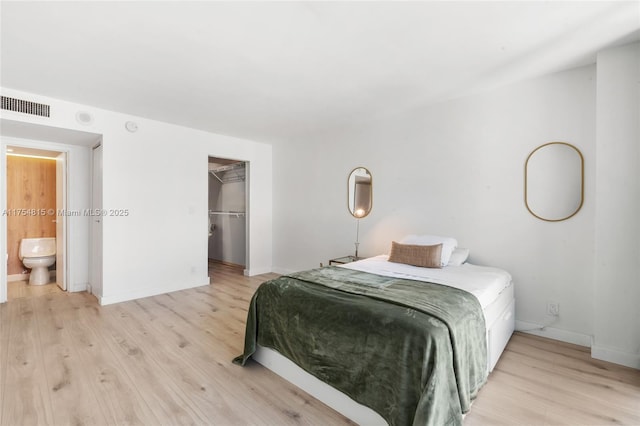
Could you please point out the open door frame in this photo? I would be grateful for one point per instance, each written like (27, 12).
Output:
(61, 220)
(77, 144)
(95, 260)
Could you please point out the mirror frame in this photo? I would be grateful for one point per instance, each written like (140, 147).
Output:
(526, 172)
(349, 191)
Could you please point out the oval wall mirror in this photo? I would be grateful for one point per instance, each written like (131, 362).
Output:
(554, 181)
(360, 192)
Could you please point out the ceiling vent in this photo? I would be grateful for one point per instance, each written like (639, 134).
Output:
(26, 107)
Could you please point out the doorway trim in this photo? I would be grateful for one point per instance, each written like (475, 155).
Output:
(247, 214)
(95, 226)
(61, 190)
(62, 177)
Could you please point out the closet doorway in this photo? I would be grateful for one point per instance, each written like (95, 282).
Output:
(228, 195)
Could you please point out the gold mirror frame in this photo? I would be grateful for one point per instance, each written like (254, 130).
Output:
(554, 179)
(360, 192)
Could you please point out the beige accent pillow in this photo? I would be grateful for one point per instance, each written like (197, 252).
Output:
(424, 256)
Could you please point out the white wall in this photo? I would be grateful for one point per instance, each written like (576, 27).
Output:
(457, 169)
(160, 175)
(454, 169)
(617, 224)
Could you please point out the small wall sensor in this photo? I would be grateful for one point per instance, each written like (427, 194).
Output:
(83, 117)
(131, 126)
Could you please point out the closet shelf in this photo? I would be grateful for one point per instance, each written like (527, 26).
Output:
(229, 173)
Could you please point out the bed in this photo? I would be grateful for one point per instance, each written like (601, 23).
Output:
(384, 342)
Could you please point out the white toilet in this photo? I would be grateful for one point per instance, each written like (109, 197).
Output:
(38, 254)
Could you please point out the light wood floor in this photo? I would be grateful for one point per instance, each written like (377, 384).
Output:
(539, 381)
(20, 289)
(166, 360)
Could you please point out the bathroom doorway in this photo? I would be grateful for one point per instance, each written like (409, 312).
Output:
(76, 145)
(36, 182)
(228, 195)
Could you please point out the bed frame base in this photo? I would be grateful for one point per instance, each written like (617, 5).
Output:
(498, 334)
(329, 395)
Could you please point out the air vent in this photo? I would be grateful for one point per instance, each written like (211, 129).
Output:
(27, 107)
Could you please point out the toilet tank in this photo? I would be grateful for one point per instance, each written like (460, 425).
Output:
(37, 247)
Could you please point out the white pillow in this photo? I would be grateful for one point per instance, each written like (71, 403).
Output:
(458, 257)
(448, 244)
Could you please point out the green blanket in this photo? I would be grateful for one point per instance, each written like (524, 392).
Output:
(414, 352)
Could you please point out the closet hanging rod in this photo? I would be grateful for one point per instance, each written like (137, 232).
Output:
(236, 214)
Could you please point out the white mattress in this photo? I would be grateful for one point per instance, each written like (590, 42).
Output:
(484, 282)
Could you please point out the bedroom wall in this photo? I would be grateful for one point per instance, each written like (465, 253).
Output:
(617, 226)
(453, 169)
(159, 174)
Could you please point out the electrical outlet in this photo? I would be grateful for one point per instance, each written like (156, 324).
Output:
(553, 309)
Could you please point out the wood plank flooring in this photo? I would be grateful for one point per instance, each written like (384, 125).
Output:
(65, 360)
(20, 289)
(539, 381)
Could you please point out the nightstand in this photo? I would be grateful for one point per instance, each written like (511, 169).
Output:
(343, 260)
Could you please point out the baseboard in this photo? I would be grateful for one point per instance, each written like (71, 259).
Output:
(78, 287)
(144, 292)
(256, 271)
(554, 333)
(25, 277)
(617, 357)
(222, 262)
(282, 271)
(17, 277)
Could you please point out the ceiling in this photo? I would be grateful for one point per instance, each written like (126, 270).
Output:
(272, 71)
